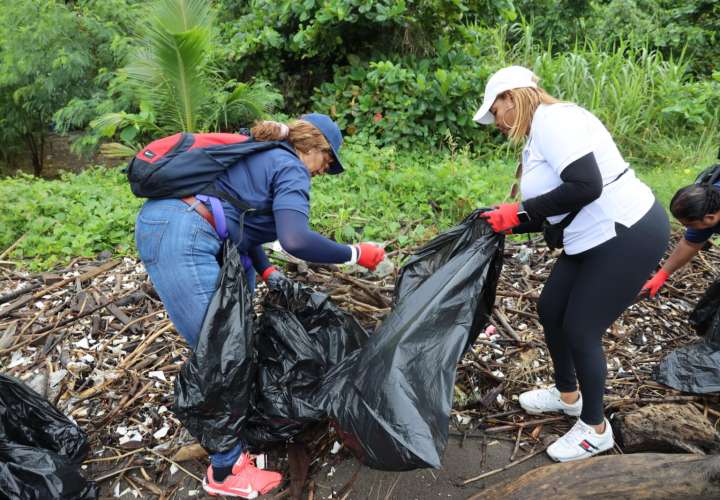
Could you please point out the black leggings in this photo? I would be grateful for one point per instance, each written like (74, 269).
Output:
(586, 293)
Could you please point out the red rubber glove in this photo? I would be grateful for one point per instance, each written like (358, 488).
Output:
(504, 217)
(267, 272)
(653, 284)
(369, 255)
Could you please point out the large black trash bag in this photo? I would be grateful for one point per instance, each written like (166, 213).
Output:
(391, 400)
(301, 335)
(214, 387)
(41, 450)
(696, 367)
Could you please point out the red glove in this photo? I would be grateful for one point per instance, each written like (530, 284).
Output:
(504, 217)
(267, 272)
(653, 284)
(369, 255)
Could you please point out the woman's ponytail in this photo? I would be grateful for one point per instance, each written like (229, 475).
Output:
(268, 130)
(302, 135)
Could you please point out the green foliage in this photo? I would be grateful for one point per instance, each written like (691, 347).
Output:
(76, 215)
(276, 38)
(674, 28)
(418, 103)
(404, 198)
(175, 86)
(41, 69)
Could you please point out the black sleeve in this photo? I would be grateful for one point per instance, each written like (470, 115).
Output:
(582, 184)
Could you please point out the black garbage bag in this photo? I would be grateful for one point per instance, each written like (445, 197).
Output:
(301, 335)
(215, 386)
(696, 367)
(391, 400)
(706, 310)
(41, 450)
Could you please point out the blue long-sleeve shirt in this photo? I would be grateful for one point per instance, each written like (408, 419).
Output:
(275, 179)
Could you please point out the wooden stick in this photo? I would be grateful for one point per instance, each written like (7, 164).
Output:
(497, 471)
(143, 345)
(83, 277)
(175, 464)
(506, 325)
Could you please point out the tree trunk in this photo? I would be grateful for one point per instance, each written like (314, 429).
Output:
(666, 428)
(615, 477)
(36, 151)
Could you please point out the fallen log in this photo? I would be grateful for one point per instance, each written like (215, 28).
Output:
(666, 428)
(641, 475)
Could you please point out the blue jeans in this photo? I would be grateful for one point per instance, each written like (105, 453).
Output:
(180, 252)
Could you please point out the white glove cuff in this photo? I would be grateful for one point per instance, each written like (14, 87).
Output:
(355, 255)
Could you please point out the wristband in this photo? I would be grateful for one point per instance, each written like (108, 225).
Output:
(354, 255)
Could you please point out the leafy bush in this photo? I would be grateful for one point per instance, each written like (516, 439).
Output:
(174, 83)
(76, 215)
(418, 103)
(298, 44)
(689, 28)
(42, 69)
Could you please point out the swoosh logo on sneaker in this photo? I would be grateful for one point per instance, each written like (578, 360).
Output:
(246, 491)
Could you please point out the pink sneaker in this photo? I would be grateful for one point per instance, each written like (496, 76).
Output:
(246, 480)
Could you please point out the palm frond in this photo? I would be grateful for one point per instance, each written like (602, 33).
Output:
(246, 103)
(117, 150)
(169, 68)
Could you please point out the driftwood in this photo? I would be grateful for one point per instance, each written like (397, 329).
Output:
(638, 476)
(666, 428)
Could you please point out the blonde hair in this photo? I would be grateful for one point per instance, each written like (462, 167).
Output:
(526, 101)
(302, 135)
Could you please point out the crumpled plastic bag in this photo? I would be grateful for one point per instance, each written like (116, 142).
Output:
(696, 367)
(391, 400)
(41, 450)
(301, 335)
(306, 360)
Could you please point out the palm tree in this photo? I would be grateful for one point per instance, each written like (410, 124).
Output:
(177, 88)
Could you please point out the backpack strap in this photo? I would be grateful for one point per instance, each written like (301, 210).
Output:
(241, 205)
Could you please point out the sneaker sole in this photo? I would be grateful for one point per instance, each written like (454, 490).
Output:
(540, 412)
(581, 457)
(215, 492)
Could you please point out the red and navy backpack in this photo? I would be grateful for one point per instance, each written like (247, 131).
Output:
(187, 164)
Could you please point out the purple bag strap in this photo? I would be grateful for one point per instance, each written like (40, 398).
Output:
(218, 214)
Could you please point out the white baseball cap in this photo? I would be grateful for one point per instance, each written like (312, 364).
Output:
(512, 77)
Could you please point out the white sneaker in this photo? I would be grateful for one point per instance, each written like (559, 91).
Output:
(582, 441)
(544, 400)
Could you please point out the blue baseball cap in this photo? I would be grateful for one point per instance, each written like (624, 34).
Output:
(332, 134)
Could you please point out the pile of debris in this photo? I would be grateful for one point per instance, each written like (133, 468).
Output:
(94, 339)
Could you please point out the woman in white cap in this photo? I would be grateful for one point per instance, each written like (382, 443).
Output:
(576, 188)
